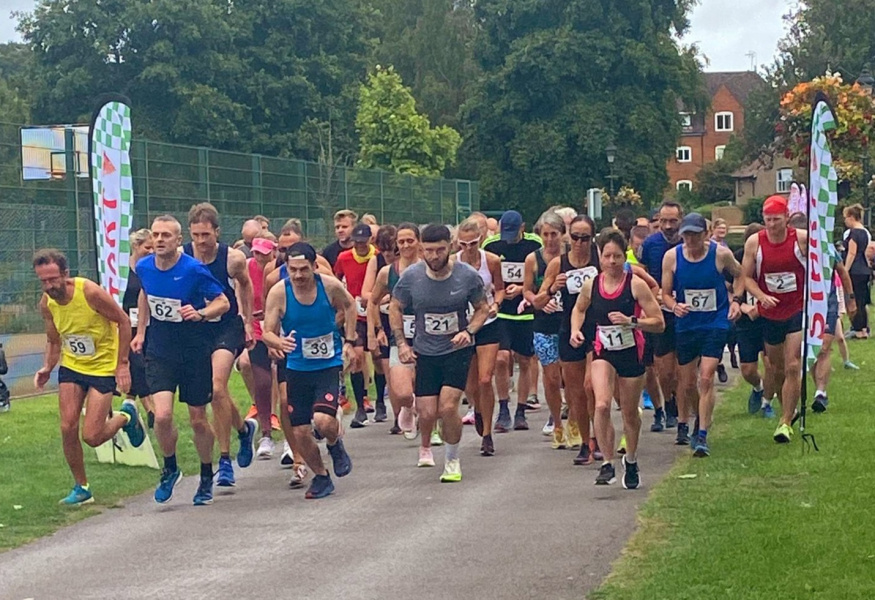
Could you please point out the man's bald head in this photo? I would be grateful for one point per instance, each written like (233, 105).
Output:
(251, 230)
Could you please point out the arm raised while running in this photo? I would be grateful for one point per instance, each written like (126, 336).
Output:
(748, 266)
(103, 304)
(344, 304)
(553, 282)
(494, 264)
(653, 321)
(578, 313)
(244, 290)
(53, 346)
(274, 310)
(669, 264)
(726, 262)
(376, 336)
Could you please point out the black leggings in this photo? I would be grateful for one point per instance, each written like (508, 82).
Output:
(860, 284)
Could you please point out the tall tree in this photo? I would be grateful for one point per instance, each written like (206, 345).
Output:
(562, 80)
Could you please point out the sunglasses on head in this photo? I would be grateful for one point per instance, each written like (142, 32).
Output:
(471, 244)
(580, 237)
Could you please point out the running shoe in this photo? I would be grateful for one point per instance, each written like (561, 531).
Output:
(395, 430)
(621, 449)
(851, 366)
(607, 475)
(168, 481)
(436, 437)
(225, 473)
(288, 459)
(359, 421)
(369, 408)
(406, 421)
(572, 437)
(478, 423)
(646, 400)
(768, 412)
(596, 451)
(265, 449)
(253, 412)
(452, 472)
(247, 444)
(78, 496)
(683, 437)
(532, 402)
(487, 447)
(204, 494)
(380, 416)
(426, 458)
(631, 475)
(520, 423)
(783, 434)
(559, 442)
(722, 376)
(345, 404)
(503, 423)
(299, 474)
(584, 457)
(563, 414)
(134, 429)
(275, 423)
(754, 401)
(700, 448)
(549, 427)
(733, 359)
(658, 421)
(465, 400)
(820, 402)
(671, 413)
(468, 419)
(320, 487)
(340, 457)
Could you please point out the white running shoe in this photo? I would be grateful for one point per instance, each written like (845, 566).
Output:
(265, 449)
(549, 426)
(452, 472)
(426, 458)
(287, 459)
(298, 476)
(436, 438)
(468, 419)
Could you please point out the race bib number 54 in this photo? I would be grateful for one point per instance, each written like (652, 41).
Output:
(512, 272)
(165, 309)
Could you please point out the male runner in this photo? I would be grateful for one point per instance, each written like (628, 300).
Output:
(90, 334)
(344, 222)
(439, 293)
(232, 332)
(179, 295)
(694, 289)
(774, 271)
(251, 230)
(516, 318)
(308, 306)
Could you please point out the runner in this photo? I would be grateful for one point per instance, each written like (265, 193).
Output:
(479, 388)
(179, 295)
(774, 271)
(439, 292)
(308, 306)
(251, 229)
(344, 222)
(89, 333)
(512, 246)
(141, 246)
(609, 308)
(232, 332)
(694, 290)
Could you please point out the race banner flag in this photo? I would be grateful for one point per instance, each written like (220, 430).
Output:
(823, 199)
(113, 188)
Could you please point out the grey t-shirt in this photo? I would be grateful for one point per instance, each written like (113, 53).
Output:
(440, 307)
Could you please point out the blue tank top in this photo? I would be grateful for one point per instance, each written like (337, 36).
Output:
(219, 269)
(703, 288)
(319, 345)
(284, 272)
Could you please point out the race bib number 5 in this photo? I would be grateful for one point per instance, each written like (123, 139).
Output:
(321, 347)
(576, 278)
(409, 326)
(444, 324)
(512, 272)
(79, 345)
(701, 300)
(165, 309)
(616, 337)
(781, 283)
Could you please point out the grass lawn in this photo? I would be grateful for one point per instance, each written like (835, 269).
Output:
(762, 521)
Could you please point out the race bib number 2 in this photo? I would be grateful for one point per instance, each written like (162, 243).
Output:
(781, 283)
(165, 309)
(444, 324)
(317, 348)
(512, 272)
(79, 345)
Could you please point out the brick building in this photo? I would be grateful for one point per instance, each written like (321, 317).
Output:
(705, 136)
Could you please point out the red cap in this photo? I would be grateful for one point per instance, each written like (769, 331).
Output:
(775, 205)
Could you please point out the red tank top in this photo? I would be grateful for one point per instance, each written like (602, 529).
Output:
(256, 274)
(781, 274)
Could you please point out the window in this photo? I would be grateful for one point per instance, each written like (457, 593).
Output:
(723, 121)
(684, 154)
(686, 120)
(785, 180)
(685, 185)
(718, 152)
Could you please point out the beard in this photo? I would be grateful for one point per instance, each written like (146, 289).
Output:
(438, 264)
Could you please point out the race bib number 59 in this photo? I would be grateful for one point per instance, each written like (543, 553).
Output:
(79, 345)
(165, 309)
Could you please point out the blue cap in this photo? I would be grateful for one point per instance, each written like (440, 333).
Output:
(510, 224)
(693, 223)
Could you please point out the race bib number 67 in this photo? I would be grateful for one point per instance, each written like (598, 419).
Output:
(701, 300)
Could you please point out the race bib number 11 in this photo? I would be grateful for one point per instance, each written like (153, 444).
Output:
(616, 337)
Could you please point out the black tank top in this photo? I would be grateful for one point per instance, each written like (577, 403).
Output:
(601, 306)
(577, 276)
(219, 269)
(544, 323)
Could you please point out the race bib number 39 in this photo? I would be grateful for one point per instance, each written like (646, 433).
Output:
(616, 337)
(701, 300)
(444, 324)
(165, 309)
(576, 278)
(781, 283)
(512, 272)
(321, 347)
(79, 345)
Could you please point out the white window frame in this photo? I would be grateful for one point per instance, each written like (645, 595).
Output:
(724, 113)
(684, 182)
(718, 152)
(689, 154)
(782, 186)
(686, 120)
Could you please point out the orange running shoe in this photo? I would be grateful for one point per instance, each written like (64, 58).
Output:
(253, 413)
(275, 423)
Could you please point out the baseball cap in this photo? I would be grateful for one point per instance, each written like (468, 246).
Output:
(263, 246)
(510, 224)
(775, 205)
(361, 233)
(693, 223)
(300, 250)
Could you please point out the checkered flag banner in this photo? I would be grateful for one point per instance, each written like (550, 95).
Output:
(822, 203)
(113, 193)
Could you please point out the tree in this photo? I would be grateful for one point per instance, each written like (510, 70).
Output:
(562, 80)
(15, 62)
(394, 137)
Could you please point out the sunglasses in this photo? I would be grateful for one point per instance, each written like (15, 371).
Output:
(580, 237)
(471, 244)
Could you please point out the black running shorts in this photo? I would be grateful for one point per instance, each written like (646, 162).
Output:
(193, 377)
(446, 370)
(102, 384)
(311, 392)
(229, 335)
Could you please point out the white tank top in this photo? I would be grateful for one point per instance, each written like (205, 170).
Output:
(486, 276)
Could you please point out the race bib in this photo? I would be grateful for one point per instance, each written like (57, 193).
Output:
(409, 326)
(616, 337)
(701, 300)
(441, 324)
(79, 345)
(165, 309)
(361, 307)
(750, 298)
(577, 277)
(317, 348)
(557, 298)
(134, 316)
(781, 283)
(512, 272)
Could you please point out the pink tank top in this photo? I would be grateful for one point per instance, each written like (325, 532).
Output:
(256, 274)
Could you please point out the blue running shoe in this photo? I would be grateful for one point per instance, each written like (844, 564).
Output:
(320, 487)
(342, 461)
(134, 428)
(225, 473)
(754, 401)
(78, 497)
(247, 444)
(168, 481)
(768, 412)
(204, 494)
(701, 449)
(648, 403)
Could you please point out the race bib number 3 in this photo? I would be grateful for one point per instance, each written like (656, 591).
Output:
(165, 309)
(616, 337)
(444, 324)
(512, 272)
(781, 283)
(409, 326)
(577, 277)
(701, 300)
(79, 345)
(317, 348)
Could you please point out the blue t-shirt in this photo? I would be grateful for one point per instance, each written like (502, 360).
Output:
(652, 251)
(186, 282)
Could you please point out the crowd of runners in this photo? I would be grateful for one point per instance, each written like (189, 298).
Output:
(634, 317)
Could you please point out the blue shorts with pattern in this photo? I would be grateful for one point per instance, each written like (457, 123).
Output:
(547, 348)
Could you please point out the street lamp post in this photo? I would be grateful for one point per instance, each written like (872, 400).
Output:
(867, 83)
(611, 152)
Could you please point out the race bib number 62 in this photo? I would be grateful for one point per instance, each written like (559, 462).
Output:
(165, 309)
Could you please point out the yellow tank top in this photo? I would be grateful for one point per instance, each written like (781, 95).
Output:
(89, 342)
(630, 257)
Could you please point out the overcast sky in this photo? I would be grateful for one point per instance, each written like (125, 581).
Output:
(725, 30)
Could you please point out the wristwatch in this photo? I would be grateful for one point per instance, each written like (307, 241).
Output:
(635, 322)
(201, 313)
(349, 342)
(469, 332)
(738, 299)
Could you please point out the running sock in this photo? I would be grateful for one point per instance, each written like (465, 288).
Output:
(659, 412)
(170, 462)
(206, 470)
(358, 390)
(759, 387)
(452, 452)
(502, 406)
(520, 409)
(380, 384)
(225, 455)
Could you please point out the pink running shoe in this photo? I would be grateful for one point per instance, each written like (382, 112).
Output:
(468, 419)
(406, 420)
(426, 459)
